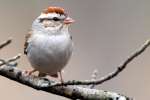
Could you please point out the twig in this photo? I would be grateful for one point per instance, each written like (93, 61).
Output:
(112, 74)
(5, 43)
(94, 77)
(3, 62)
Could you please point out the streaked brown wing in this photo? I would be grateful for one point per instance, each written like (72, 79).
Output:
(28, 35)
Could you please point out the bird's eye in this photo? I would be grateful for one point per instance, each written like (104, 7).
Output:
(56, 19)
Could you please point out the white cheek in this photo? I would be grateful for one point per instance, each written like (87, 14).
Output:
(54, 28)
(47, 23)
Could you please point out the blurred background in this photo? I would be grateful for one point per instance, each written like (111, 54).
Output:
(106, 32)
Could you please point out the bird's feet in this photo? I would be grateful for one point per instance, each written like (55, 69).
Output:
(58, 75)
(61, 78)
(29, 72)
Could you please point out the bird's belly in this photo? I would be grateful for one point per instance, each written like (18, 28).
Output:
(50, 55)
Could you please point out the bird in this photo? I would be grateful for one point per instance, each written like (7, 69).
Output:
(48, 45)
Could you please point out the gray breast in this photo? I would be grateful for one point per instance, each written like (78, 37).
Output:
(49, 53)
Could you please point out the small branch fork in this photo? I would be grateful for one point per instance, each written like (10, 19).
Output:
(69, 89)
(112, 74)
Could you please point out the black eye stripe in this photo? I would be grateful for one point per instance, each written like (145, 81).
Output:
(42, 19)
(54, 18)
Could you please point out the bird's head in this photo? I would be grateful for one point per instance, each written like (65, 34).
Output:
(53, 19)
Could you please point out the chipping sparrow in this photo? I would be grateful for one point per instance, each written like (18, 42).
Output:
(48, 45)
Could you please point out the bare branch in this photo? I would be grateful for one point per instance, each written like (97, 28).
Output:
(112, 74)
(66, 89)
(5, 43)
(72, 92)
(3, 62)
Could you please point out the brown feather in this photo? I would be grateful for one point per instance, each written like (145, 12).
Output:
(58, 10)
(28, 35)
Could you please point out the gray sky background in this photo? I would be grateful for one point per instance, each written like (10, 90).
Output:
(106, 32)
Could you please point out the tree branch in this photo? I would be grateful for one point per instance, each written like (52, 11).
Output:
(3, 62)
(112, 74)
(67, 89)
(5, 43)
(72, 92)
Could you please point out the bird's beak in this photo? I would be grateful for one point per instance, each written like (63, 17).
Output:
(69, 20)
